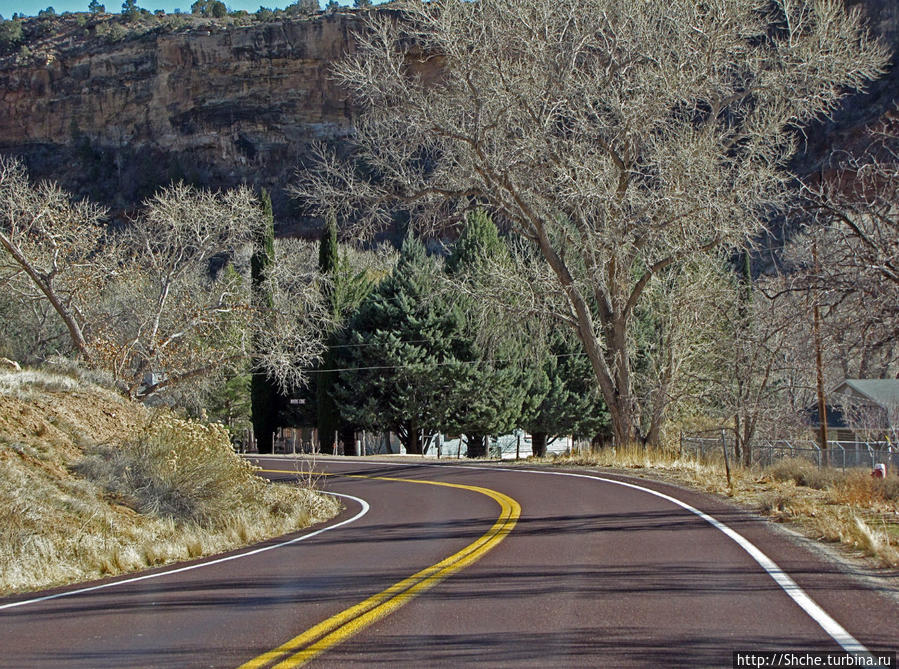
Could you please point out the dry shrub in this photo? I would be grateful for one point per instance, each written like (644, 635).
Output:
(804, 473)
(173, 490)
(774, 502)
(175, 468)
(874, 542)
(860, 489)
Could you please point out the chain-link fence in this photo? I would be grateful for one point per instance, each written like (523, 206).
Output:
(839, 454)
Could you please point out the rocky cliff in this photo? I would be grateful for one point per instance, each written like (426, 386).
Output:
(113, 109)
(210, 104)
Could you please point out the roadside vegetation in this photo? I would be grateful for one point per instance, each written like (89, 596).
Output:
(92, 484)
(844, 507)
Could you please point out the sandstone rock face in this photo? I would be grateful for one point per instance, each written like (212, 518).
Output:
(220, 106)
(213, 107)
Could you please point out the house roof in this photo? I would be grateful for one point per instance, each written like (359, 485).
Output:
(883, 392)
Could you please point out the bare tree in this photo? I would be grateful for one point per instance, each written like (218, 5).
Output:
(164, 301)
(854, 201)
(759, 368)
(50, 245)
(620, 138)
(168, 318)
(677, 325)
(301, 318)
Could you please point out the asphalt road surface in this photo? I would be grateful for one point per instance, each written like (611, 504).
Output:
(452, 565)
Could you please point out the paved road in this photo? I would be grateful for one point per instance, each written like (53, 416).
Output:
(593, 573)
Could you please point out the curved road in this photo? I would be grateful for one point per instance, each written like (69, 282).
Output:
(592, 573)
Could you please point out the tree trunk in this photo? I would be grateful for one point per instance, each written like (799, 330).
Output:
(348, 437)
(413, 441)
(614, 380)
(654, 436)
(328, 415)
(477, 446)
(264, 411)
(538, 444)
(748, 431)
(326, 444)
(265, 442)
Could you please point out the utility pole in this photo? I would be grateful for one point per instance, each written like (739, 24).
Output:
(819, 365)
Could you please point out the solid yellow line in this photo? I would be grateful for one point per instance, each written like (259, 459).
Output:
(343, 625)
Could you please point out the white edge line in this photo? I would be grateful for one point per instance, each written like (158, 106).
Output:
(836, 631)
(365, 508)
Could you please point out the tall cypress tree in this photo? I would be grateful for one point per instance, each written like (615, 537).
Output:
(327, 412)
(263, 393)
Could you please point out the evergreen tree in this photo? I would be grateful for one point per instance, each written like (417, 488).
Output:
(570, 405)
(328, 415)
(263, 393)
(10, 34)
(130, 10)
(494, 385)
(396, 350)
(345, 288)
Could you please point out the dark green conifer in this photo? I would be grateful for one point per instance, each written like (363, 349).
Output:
(395, 351)
(263, 393)
(328, 415)
(494, 382)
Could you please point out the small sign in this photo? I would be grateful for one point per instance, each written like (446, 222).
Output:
(294, 401)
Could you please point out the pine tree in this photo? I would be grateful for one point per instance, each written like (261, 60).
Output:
(395, 353)
(263, 393)
(130, 10)
(494, 385)
(328, 415)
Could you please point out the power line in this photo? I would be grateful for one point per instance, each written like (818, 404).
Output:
(435, 364)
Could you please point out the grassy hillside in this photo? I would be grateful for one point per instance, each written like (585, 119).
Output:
(92, 485)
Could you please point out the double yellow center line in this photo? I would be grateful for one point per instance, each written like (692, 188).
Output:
(336, 629)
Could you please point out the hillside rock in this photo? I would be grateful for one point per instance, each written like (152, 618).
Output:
(208, 105)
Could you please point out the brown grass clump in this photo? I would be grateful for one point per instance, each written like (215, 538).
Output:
(803, 473)
(91, 485)
(860, 489)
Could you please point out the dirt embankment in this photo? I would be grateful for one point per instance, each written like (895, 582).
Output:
(93, 485)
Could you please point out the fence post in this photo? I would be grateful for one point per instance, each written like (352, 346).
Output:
(726, 460)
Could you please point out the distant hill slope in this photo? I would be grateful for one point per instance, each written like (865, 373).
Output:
(114, 109)
(94, 485)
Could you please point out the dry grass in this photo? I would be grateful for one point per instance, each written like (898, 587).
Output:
(849, 508)
(708, 474)
(92, 485)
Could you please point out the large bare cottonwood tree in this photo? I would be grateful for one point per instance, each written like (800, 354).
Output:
(619, 137)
